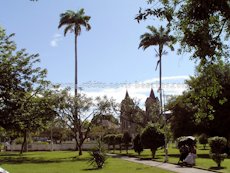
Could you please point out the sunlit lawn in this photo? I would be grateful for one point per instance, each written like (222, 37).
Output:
(202, 161)
(66, 162)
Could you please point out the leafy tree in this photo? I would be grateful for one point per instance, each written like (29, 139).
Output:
(204, 107)
(210, 92)
(182, 119)
(76, 122)
(126, 140)
(218, 144)
(203, 139)
(201, 27)
(152, 138)
(137, 145)
(73, 22)
(158, 38)
(26, 102)
(79, 122)
(57, 131)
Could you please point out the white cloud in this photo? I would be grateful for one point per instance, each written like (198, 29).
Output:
(55, 40)
(172, 85)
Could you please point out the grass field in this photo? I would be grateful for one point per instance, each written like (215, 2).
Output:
(202, 161)
(66, 162)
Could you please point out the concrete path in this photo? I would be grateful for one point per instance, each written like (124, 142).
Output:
(167, 166)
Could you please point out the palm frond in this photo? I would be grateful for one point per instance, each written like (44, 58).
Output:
(69, 28)
(74, 21)
(156, 37)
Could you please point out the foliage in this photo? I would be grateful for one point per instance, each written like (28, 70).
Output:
(217, 145)
(203, 139)
(204, 107)
(76, 121)
(57, 130)
(152, 138)
(73, 21)
(110, 139)
(137, 145)
(27, 102)
(158, 38)
(97, 159)
(98, 155)
(126, 140)
(182, 120)
(201, 27)
(119, 140)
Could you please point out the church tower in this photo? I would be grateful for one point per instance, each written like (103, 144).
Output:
(152, 108)
(127, 112)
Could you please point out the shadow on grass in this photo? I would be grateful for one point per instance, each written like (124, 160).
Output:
(205, 156)
(216, 168)
(20, 159)
(91, 169)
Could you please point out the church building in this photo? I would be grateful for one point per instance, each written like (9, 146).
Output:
(133, 118)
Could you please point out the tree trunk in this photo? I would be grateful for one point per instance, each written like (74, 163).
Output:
(76, 67)
(80, 150)
(24, 144)
(160, 84)
(219, 164)
(153, 153)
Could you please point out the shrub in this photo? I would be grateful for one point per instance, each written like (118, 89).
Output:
(152, 138)
(98, 156)
(137, 145)
(110, 139)
(217, 145)
(203, 139)
(126, 140)
(119, 140)
(97, 159)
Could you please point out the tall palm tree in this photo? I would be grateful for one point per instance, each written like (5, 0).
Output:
(73, 22)
(159, 38)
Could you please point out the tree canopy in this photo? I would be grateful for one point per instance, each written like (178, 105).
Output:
(201, 27)
(26, 102)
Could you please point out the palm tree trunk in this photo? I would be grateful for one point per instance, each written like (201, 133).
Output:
(160, 85)
(76, 69)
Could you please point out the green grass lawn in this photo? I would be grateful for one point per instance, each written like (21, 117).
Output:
(202, 161)
(66, 162)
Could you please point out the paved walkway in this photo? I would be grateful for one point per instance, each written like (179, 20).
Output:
(167, 166)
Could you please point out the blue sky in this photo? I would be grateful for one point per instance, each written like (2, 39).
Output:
(107, 54)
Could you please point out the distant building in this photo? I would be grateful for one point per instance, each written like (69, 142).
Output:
(132, 117)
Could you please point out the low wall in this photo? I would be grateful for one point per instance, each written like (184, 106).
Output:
(52, 147)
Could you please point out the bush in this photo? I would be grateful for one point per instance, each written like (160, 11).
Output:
(152, 138)
(119, 140)
(97, 159)
(126, 140)
(110, 139)
(217, 145)
(203, 139)
(137, 145)
(98, 156)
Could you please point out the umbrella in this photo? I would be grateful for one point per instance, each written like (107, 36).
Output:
(186, 140)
